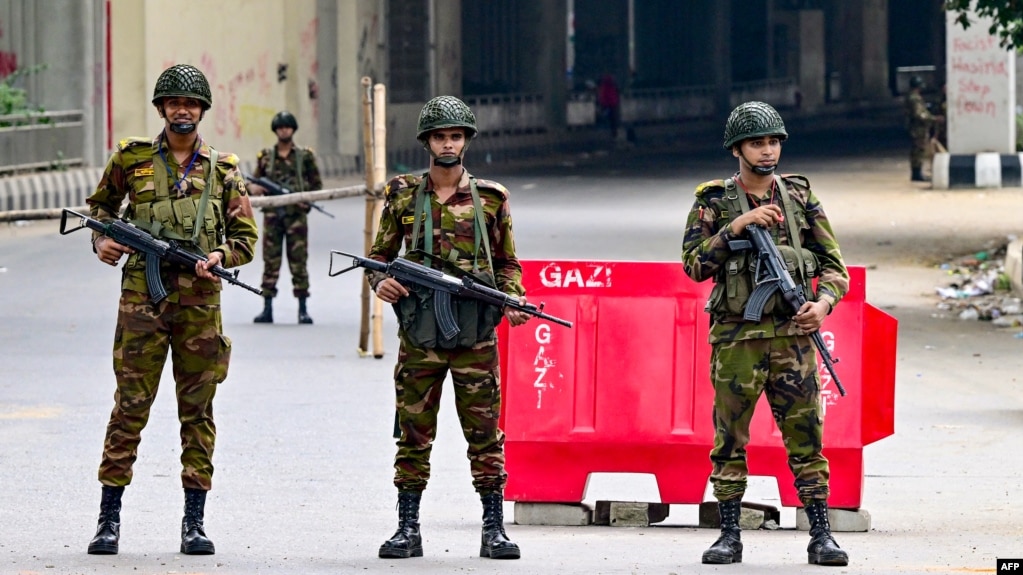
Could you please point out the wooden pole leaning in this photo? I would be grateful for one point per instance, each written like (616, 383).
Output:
(368, 165)
(379, 177)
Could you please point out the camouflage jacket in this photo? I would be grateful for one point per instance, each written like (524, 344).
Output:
(705, 250)
(285, 173)
(453, 229)
(918, 118)
(130, 175)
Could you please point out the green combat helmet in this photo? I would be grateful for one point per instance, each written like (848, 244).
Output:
(753, 120)
(184, 81)
(446, 112)
(284, 119)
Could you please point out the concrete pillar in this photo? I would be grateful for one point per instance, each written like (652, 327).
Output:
(358, 47)
(446, 48)
(552, 62)
(862, 55)
(721, 58)
(811, 66)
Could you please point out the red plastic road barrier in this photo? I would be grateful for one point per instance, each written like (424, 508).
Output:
(627, 389)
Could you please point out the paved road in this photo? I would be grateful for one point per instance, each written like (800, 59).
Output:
(304, 450)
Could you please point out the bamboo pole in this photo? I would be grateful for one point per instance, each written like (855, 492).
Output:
(379, 177)
(256, 201)
(367, 147)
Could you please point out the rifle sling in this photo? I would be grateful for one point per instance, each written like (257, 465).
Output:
(739, 204)
(425, 215)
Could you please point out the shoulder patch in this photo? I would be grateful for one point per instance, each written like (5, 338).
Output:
(492, 185)
(132, 142)
(705, 186)
(262, 154)
(400, 183)
(798, 179)
(228, 159)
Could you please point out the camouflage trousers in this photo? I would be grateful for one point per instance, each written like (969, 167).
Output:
(285, 226)
(419, 377)
(199, 356)
(920, 150)
(784, 369)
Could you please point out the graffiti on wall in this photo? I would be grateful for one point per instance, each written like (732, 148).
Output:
(8, 60)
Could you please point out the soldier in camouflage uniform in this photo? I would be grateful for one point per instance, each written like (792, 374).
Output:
(919, 122)
(465, 224)
(178, 188)
(292, 167)
(774, 356)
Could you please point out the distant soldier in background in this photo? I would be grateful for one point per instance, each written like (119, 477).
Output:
(292, 167)
(919, 122)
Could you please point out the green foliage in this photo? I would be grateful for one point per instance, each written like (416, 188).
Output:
(1006, 14)
(13, 99)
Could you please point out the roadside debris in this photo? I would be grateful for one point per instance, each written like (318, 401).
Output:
(979, 289)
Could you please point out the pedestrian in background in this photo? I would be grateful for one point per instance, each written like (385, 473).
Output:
(452, 221)
(609, 103)
(178, 188)
(774, 356)
(293, 167)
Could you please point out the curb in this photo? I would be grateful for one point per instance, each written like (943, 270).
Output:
(983, 170)
(45, 190)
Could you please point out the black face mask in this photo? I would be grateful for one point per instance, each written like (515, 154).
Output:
(182, 128)
(447, 161)
(764, 170)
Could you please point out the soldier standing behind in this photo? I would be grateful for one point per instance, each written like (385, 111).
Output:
(919, 122)
(451, 221)
(775, 356)
(295, 168)
(178, 188)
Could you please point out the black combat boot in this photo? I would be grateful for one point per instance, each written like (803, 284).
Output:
(728, 548)
(193, 534)
(406, 541)
(108, 532)
(303, 316)
(823, 550)
(268, 312)
(917, 175)
(494, 542)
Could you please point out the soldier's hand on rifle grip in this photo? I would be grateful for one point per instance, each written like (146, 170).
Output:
(390, 290)
(811, 315)
(764, 216)
(213, 259)
(255, 189)
(516, 317)
(109, 252)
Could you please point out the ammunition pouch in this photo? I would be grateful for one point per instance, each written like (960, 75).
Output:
(476, 320)
(736, 281)
(176, 219)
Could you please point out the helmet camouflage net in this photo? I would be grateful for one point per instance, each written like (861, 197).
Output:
(753, 120)
(182, 80)
(445, 112)
(284, 119)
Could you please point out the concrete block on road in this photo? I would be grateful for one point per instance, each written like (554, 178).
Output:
(629, 513)
(841, 520)
(752, 515)
(564, 514)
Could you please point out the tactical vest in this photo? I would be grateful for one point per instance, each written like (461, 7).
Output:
(195, 223)
(737, 278)
(300, 184)
(476, 320)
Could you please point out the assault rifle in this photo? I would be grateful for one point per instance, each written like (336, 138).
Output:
(155, 249)
(444, 286)
(276, 189)
(772, 275)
